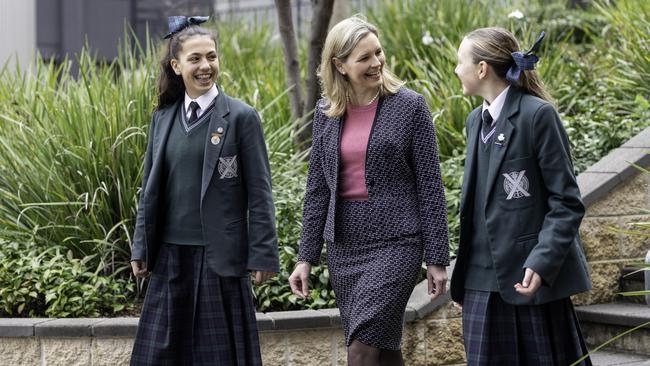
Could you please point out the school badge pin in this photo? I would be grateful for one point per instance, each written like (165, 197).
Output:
(216, 138)
(500, 140)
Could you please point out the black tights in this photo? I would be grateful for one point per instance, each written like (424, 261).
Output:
(360, 354)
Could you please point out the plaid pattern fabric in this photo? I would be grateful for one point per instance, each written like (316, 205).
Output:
(177, 23)
(498, 333)
(191, 316)
(522, 61)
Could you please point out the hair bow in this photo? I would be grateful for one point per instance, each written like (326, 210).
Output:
(524, 61)
(177, 23)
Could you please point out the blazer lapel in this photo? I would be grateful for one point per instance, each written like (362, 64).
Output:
(469, 179)
(505, 129)
(218, 125)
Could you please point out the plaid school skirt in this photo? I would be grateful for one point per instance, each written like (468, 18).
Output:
(498, 333)
(192, 316)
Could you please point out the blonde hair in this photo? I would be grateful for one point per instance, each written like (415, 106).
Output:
(340, 42)
(495, 46)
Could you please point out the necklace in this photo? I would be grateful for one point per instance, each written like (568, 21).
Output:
(374, 98)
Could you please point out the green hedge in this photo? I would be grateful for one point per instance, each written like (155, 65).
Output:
(71, 148)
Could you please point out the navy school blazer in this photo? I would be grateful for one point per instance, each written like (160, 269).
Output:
(403, 179)
(532, 203)
(237, 212)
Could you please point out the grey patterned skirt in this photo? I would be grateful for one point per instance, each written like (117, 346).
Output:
(372, 279)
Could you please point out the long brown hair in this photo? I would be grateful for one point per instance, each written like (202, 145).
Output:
(495, 46)
(170, 86)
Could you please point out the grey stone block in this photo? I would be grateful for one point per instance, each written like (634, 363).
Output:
(334, 314)
(410, 315)
(620, 161)
(622, 314)
(611, 358)
(19, 327)
(264, 322)
(300, 319)
(594, 186)
(76, 327)
(420, 300)
(115, 327)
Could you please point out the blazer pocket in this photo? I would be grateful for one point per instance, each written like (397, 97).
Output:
(527, 237)
(516, 185)
(228, 169)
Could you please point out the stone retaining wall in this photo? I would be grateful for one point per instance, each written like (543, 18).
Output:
(616, 194)
(432, 336)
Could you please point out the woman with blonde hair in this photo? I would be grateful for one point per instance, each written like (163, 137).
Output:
(374, 194)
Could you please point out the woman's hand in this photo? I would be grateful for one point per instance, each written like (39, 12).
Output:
(262, 276)
(437, 278)
(299, 280)
(139, 269)
(530, 284)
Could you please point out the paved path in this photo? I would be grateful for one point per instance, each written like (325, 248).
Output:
(608, 358)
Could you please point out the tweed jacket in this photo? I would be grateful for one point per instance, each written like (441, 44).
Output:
(237, 211)
(532, 203)
(403, 179)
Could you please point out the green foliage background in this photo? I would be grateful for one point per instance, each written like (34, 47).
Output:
(71, 147)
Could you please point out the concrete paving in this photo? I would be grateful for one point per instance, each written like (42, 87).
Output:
(610, 358)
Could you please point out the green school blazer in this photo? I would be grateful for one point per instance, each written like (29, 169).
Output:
(532, 203)
(237, 210)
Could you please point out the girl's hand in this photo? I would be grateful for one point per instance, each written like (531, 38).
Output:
(530, 284)
(139, 269)
(261, 276)
(437, 278)
(299, 280)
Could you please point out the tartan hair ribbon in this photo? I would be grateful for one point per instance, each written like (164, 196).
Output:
(524, 61)
(177, 23)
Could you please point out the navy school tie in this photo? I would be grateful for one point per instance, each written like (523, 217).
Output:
(487, 128)
(194, 106)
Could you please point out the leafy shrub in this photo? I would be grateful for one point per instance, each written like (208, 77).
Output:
(51, 282)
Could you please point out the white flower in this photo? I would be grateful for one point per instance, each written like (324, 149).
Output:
(516, 14)
(427, 39)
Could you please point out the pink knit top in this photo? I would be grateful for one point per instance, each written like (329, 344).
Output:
(354, 143)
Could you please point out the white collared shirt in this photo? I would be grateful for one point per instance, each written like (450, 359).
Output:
(204, 101)
(497, 104)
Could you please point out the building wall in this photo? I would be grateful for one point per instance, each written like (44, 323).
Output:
(17, 33)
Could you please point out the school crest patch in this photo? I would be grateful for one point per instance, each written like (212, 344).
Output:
(227, 167)
(516, 185)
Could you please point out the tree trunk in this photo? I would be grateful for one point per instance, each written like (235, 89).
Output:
(341, 11)
(292, 65)
(322, 13)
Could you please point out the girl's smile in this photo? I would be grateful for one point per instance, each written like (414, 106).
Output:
(197, 64)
